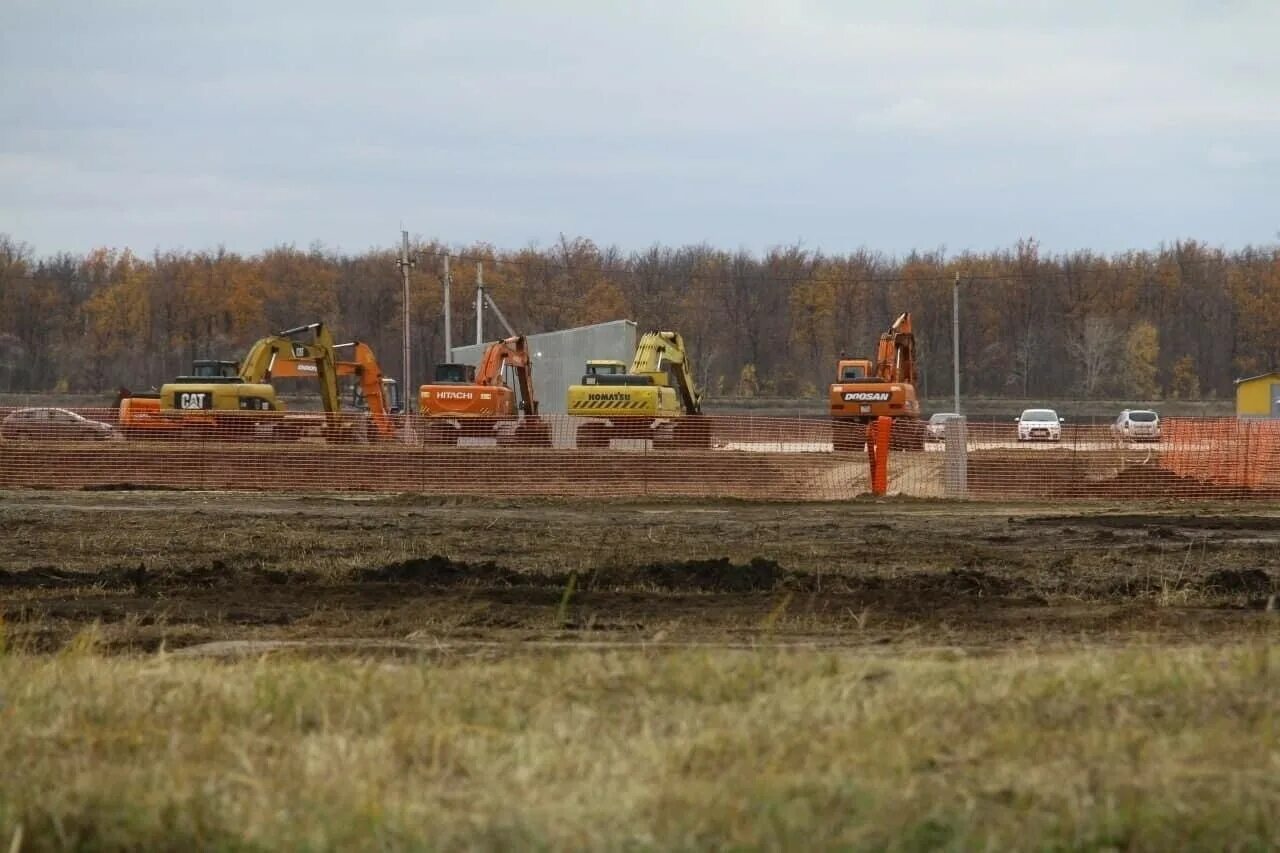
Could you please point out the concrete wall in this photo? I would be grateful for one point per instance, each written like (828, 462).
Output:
(559, 358)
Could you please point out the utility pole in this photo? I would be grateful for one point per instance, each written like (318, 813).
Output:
(955, 339)
(448, 313)
(479, 302)
(406, 263)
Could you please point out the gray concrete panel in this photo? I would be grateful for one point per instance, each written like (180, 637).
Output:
(559, 357)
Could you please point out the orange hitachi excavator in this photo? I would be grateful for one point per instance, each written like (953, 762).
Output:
(477, 402)
(864, 391)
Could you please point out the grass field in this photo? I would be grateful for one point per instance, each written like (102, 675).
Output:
(308, 671)
(1137, 748)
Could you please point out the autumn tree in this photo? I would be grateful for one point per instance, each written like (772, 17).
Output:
(1140, 362)
(1185, 382)
(1093, 346)
(1034, 324)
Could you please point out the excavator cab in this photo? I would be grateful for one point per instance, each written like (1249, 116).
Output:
(455, 374)
(854, 370)
(607, 372)
(208, 368)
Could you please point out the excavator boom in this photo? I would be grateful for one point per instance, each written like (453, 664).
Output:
(896, 354)
(663, 356)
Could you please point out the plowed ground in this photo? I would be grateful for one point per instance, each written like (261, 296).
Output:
(236, 573)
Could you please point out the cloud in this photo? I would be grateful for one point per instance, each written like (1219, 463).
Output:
(743, 122)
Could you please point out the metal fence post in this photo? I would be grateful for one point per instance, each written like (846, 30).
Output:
(955, 464)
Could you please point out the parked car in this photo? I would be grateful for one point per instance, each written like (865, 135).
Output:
(937, 426)
(1039, 425)
(1137, 425)
(53, 425)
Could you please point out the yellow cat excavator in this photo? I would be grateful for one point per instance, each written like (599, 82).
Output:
(655, 399)
(218, 388)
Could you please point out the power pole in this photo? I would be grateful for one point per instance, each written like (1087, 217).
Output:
(479, 303)
(955, 339)
(406, 263)
(448, 313)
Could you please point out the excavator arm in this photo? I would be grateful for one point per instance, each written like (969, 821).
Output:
(896, 354)
(302, 363)
(364, 366)
(514, 353)
(663, 354)
(291, 351)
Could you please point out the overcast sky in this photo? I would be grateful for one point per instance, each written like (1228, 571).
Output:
(745, 124)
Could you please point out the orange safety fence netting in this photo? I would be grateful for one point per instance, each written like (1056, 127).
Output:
(760, 458)
(750, 458)
(1191, 458)
(1231, 453)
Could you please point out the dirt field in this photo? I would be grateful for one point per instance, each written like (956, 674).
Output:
(234, 572)
(218, 670)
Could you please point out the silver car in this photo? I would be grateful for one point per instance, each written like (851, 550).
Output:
(50, 424)
(1137, 425)
(937, 426)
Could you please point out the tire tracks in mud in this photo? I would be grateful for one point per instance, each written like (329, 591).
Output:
(677, 576)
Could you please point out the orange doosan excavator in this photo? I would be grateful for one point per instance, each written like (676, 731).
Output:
(865, 390)
(477, 402)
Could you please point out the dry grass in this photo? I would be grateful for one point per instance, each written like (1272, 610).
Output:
(1135, 748)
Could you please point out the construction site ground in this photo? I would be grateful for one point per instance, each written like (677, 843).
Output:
(230, 573)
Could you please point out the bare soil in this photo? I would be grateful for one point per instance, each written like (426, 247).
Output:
(187, 569)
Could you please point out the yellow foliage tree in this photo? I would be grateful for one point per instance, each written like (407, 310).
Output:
(1141, 352)
(1185, 382)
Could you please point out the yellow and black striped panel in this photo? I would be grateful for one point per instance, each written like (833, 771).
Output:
(614, 405)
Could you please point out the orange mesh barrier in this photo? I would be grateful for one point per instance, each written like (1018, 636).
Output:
(751, 458)
(1194, 458)
(708, 457)
(1231, 454)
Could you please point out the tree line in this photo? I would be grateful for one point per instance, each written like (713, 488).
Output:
(1181, 321)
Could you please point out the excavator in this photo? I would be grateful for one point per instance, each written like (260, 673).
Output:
(476, 402)
(197, 402)
(866, 390)
(375, 393)
(654, 399)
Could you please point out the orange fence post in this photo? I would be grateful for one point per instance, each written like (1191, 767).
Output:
(878, 433)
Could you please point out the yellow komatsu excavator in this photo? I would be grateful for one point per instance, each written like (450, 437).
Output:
(656, 398)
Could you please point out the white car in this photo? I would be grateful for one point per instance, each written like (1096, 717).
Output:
(1137, 425)
(937, 426)
(1039, 425)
